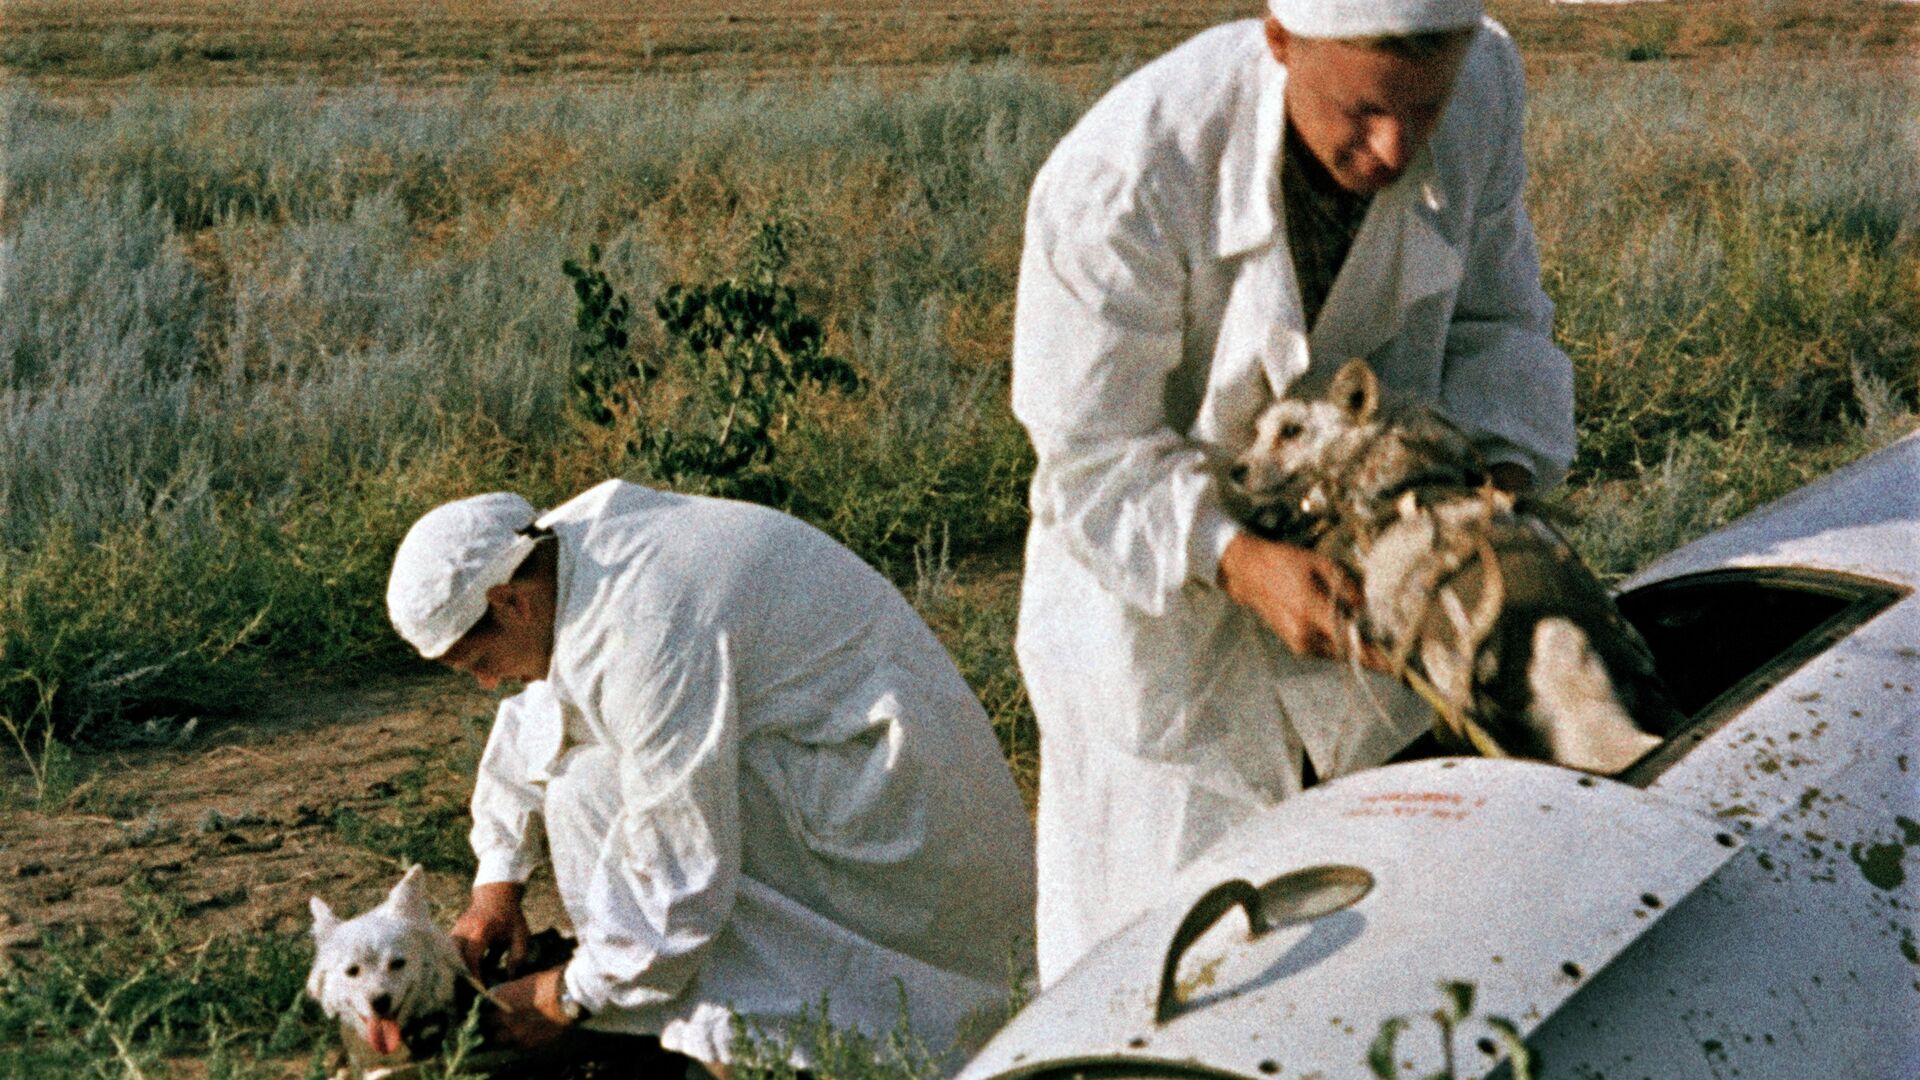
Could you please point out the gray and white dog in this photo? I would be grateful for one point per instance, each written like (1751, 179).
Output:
(1475, 599)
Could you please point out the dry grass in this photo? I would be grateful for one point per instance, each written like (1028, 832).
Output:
(89, 45)
(91, 41)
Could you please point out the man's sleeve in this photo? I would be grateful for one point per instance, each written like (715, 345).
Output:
(504, 803)
(1098, 327)
(665, 879)
(1505, 380)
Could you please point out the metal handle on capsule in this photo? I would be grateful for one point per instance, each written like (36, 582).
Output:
(1296, 897)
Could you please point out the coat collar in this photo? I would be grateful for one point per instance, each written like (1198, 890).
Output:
(1400, 255)
(1246, 213)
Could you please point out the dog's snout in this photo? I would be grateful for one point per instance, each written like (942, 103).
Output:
(382, 1004)
(1239, 472)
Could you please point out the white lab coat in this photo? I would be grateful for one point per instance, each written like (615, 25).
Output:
(764, 785)
(1157, 316)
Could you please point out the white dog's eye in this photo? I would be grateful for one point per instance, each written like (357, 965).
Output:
(396, 963)
(353, 971)
(1291, 429)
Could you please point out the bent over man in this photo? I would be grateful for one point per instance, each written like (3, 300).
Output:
(763, 784)
(1232, 223)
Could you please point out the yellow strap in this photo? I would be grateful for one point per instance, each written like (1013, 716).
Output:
(481, 988)
(1457, 723)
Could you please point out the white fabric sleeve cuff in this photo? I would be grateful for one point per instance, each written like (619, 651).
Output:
(588, 983)
(502, 865)
(573, 978)
(1213, 530)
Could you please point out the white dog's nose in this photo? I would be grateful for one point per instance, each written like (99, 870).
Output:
(382, 1004)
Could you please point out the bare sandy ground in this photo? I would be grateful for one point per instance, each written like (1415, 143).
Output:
(237, 825)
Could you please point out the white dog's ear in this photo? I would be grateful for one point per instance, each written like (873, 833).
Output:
(408, 900)
(1355, 390)
(324, 923)
(324, 920)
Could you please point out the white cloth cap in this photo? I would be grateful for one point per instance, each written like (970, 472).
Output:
(1372, 18)
(448, 561)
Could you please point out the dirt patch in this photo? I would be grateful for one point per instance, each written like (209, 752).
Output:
(241, 825)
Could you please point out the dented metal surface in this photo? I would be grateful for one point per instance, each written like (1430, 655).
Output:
(1746, 904)
(1464, 860)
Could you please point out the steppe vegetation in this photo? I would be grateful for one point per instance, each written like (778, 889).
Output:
(203, 43)
(246, 336)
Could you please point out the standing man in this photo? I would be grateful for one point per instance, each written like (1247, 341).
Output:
(1229, 224)
(763, 786)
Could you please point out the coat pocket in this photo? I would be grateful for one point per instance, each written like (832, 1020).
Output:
(853, 781)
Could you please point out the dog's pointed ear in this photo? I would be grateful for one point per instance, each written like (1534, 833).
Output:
(408, 900)
(1355, 390)
(324, 920)
(324, 923)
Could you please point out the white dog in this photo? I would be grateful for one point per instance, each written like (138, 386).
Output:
(383, 973)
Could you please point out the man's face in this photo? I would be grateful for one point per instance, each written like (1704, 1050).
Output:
(1363, 112)
(512, 641)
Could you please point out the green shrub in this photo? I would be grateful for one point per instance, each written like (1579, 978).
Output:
(745, 353)
(604, 370)
(751, 350)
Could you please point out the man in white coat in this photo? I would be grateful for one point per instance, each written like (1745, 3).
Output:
(1230, 224)
(762, 784)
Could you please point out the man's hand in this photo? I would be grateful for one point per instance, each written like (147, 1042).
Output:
(528, 1012)
(493, 920)
(1307, 598)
